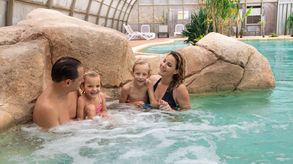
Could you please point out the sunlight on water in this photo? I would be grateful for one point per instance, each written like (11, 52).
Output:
(240, 127)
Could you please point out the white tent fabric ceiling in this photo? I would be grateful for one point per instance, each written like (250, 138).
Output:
(108, 13)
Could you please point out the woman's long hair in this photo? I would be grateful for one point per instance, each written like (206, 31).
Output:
(180, 67)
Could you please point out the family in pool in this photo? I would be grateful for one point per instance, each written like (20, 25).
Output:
(60, 101)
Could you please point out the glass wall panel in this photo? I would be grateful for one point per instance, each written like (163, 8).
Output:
(109, 23)
(41, 1)
(120, 26)
(111, 13)
(124, 18)
(104, 10)
(107, 2)
(92, 19)
(122, 15)
(81, 5)
(79, 16)
(101, 21)
(2, 13)
(117, 14)
(133, 18)
(145, 2)
(165, 2)
(175, 1)
(114, 4)
(94, 7)
(125, 7)
(190, 1)
(121, 5)
(65, 4)
(20, 10)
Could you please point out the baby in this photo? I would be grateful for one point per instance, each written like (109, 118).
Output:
(139, 92)
(92, 101)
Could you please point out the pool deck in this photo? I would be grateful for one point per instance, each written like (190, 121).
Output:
(138, 45)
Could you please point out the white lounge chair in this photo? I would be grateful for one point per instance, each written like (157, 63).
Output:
(136, 35)
(131, 34)
(146, 30)
(178, 29)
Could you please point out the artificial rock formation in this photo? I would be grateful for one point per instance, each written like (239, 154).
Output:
(221, 63)
(28, 50)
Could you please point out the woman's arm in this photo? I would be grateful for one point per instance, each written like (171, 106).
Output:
(181, 96)
(153, 101)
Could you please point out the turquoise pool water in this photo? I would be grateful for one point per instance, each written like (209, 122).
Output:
(238, 128)
(162, 49)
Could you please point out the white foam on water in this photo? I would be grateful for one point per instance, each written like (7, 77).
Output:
(202, 154)
(189, 136)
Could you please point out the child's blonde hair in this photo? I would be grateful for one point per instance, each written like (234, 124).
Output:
(90, 74)
(141, 62)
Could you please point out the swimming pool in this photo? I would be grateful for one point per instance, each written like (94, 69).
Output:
(241, 127)
(162, 49)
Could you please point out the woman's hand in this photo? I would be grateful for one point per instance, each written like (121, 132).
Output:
(165, 106)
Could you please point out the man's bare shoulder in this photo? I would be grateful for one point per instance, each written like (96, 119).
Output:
(45, 114)
(43, 103)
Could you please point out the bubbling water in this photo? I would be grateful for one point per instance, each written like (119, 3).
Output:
(131, 136)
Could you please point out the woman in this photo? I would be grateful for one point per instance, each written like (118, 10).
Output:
(169, 89)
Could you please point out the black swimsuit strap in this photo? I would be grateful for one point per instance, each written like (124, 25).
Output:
(168, 96)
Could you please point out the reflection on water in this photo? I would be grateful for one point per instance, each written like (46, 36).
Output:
(240, 127)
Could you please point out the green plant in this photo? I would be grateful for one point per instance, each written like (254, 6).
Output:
(220, 11)
(262, 27)
(290, 22)
(242, 20)
(198, 26)
(197, 39)
(164, 17)
(273, 35)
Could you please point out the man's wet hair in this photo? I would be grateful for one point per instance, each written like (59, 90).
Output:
(65, 68)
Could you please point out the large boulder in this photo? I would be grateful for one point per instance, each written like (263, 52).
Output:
(28, 50)
(22, 66)
(221, 63)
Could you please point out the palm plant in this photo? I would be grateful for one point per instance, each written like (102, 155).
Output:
(262, 28)
(290, 23)
(220, 11)
(242, 21)
(198, 27)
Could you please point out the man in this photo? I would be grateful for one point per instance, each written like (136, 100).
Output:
(58, 103)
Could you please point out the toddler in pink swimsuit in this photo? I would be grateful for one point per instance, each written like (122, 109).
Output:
(92, 101)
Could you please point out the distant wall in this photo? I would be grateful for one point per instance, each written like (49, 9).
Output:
(2, 13)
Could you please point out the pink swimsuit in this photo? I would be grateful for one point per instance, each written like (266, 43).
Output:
(100, 107)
